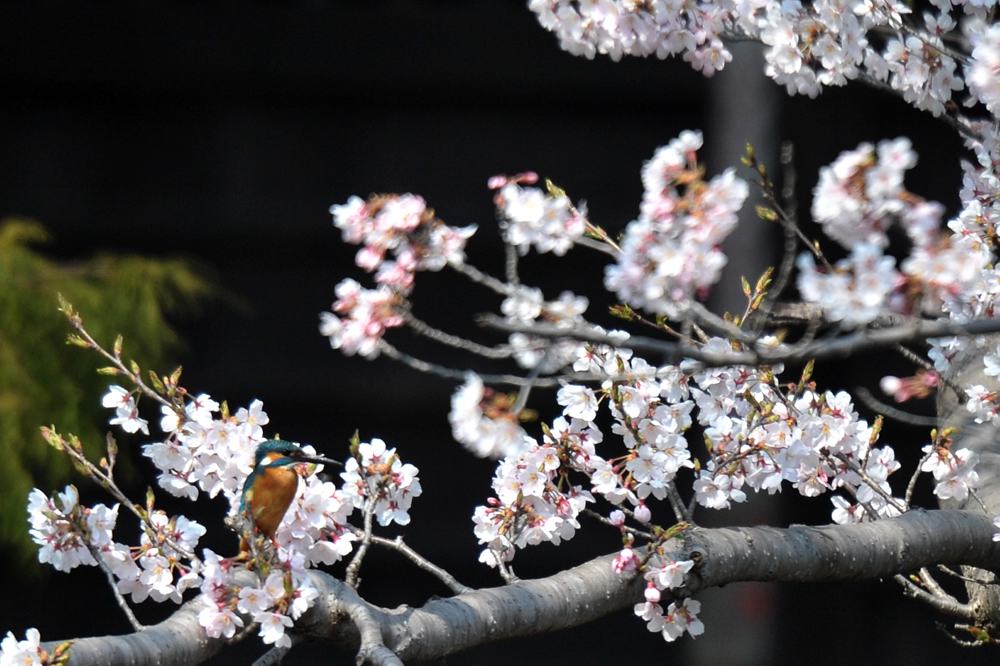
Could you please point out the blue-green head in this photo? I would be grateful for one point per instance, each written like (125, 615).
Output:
(280, 453)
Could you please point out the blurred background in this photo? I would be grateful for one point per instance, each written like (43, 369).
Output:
(216, 138)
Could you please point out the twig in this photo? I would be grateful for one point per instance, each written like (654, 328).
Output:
(913, 479)
(525, 392)
(601, 236)
(717, 324)
(872, 483)
(873, 403)
(631, 530)
(484, 279)
(108, 483)
(354, 568)
(119, 599)
(488, 378)
(980, 502)
(445, 338)
(507, 573)
(460, 375)
(681, 512)
(951, 121)
(955, 639)
(788, 225)
(596, 245)
(400, 546)
(931, 583)
(967, 579)
(510, 264)
(845, 345)
(250, 628)
(77, 322)
(948, 605)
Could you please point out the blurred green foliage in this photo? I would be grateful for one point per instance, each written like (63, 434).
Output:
(45, 381)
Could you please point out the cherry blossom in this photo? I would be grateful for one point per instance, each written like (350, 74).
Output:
(858, 289)
(670, 253)
(376, 475)
(58, 527)
(483, 421)
(21, 653)
(954, 471)
(126, 410)
(366, 315)
(546, 220)
(401, 225)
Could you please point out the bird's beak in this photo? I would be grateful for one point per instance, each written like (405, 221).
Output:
(318, 460)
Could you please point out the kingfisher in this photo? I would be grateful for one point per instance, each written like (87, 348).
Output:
(271, 486)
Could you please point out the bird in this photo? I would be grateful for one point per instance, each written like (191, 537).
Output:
(273, 482)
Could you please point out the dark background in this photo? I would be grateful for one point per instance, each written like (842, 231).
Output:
(224, 132)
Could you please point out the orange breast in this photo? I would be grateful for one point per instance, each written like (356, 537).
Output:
(273, 491)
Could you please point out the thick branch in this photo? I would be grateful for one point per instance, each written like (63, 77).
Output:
(179, 640)
(588, 591)
(984, 439)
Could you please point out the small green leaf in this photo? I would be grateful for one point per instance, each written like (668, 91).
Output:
(77, 341)
(766, 214)
(622, 312)
(156, 383)
(553, 189)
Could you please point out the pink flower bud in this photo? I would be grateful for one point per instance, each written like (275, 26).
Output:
(617, 517)
(652, 594)
(642, 513)
(624, 561)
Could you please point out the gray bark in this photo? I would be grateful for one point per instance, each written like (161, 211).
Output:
(968, 369)
(583, 593)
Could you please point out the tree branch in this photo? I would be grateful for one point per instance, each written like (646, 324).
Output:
(839, 347)
(586, 592)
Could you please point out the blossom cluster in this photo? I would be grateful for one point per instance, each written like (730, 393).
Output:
(663, 29)
(376, 476)
(985, 62)
(315, 525)
(859, 196)
(533, 503)
(671, 252)
(526, 305)
(65, 531)
(808, 45)
(69, 535)
(22, 653)
(954, 472)
(281, 598)
(483, 420)
(365, 315)
(856, 291)
(401, 225)
(761, 435)
(531, 217)
(205, 451)
(857, 199)
(679, 618)
(126, 410)
(208, 450)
